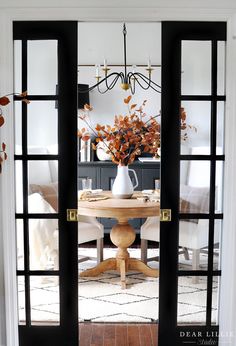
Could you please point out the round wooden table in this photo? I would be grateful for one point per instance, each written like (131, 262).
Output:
(122, 234)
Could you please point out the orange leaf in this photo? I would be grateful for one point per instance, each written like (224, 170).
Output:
(1, 120)
(86, 137)
(87, 107)
(82, 116)
(133, 105)
(23, 94)
(26, 101)
(98, 127)
(127, 99)
(4, 101)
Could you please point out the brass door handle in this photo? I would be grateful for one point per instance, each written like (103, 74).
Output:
(72, 215)
(165, 215)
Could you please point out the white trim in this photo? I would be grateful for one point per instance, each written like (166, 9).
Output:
(7, 196)
(227, 317)
(228, 280)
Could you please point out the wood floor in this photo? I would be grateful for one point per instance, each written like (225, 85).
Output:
(104, 334)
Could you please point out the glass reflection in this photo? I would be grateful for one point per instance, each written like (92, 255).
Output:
(42, 128)
(196, 68)
(192, 300)
(44, 297)
(43, 186)
(42, 72)
(21, 300)
(19, 186)
(43, 244)
(221, 67)
(198, 115)
(20, 244)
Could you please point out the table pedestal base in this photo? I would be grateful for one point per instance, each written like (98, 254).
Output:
(122, 235)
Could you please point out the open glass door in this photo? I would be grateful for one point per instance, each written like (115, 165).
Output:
(191, 181)
(45, 57)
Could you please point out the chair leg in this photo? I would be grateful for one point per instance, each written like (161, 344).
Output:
(185, 253)
(144, 244)
(195, 264)
(99, 250)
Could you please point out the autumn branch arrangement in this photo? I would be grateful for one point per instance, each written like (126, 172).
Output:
(131, 134)
(4, 101)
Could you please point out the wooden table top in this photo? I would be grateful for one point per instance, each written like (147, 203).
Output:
(119, 208)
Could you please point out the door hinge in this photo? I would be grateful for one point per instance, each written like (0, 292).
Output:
(72, 215)
(165, 214)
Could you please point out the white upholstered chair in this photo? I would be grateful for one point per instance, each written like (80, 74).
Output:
(43, 199)
(193, 234)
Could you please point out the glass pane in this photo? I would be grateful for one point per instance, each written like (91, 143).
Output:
(220, 128)
(18, 127)
(19, 186)
(221, 67)
(195, 186)
(43, 244)
(193, 245)
(196, 68)
(20, 244)
(42, 67)
(43, 186)
(192, 300)
(44, 295)
(215, 300)
(42, 128)
(21, 299)
(17, 66)
(197, 132)
(217, 244)
(219, 186)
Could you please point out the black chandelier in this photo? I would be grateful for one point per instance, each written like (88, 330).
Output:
(128, 80)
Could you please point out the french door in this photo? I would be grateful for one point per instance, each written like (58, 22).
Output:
(199, 90)
(46, 158)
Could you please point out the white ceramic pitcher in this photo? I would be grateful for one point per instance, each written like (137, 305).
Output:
(123, 187)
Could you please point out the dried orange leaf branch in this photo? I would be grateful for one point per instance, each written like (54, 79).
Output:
(4, 101)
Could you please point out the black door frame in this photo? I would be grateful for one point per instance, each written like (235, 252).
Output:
(65, 32)
(172, 34)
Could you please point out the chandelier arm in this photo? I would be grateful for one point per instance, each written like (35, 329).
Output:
(149, 86)
(109, 87)
(113, 83)
(100, 82)
(131, 83)
(146, 79)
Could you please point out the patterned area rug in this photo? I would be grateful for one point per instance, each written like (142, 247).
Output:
(101, 298)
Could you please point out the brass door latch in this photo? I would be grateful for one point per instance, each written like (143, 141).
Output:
(72, 215)
(165, 215)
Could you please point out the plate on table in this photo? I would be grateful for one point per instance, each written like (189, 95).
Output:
(85, 194)
(148, 159)
(153, 195)
(147, 192)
